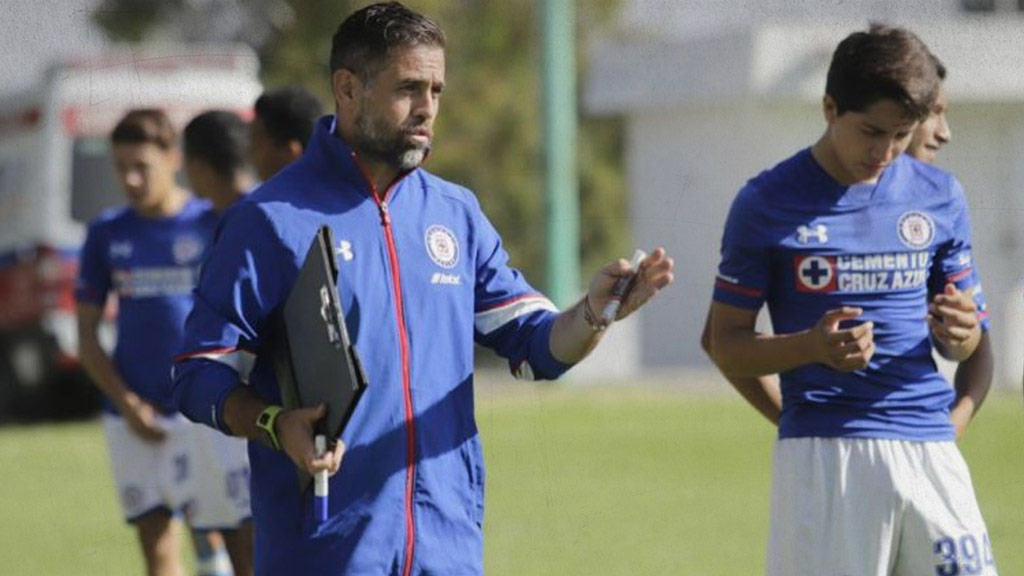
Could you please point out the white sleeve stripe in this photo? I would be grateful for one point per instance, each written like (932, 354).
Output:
(490, 320)
(241, 361)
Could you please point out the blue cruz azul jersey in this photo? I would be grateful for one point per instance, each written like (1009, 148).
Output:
(801, 243)
(150, 265)
(422, 276)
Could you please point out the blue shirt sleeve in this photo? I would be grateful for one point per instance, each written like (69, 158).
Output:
(511, 317)
(953, 260)
(239, 287)
(745, 265)
(94, 279)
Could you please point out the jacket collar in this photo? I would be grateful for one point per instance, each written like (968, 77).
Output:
(333, 154)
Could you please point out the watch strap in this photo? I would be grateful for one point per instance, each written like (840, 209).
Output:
(265, 423)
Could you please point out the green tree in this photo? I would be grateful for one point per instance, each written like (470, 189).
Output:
(489, 133)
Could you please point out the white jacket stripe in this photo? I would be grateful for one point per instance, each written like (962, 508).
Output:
(490, 320)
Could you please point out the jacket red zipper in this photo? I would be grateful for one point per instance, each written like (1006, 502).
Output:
(403, 338)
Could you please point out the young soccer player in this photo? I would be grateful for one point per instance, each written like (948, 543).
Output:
(147, 255)
(861, 254)
(215, 158)
(281, 129)
(933, 132)
(215, 143)
(974, 375)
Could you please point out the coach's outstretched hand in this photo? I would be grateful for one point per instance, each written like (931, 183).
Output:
(577, 330)
(295, 431)
(653, 274)
(844, 349)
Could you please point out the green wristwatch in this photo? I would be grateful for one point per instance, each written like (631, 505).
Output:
(265, 422)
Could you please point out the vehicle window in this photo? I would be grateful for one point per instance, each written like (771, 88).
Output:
(94, 186)
(13, 201)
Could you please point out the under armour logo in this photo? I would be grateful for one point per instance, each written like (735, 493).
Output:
(344, 250)
(819, 232)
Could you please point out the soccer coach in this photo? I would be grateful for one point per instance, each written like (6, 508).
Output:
(423, 276)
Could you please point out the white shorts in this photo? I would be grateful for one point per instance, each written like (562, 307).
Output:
(872, 507)
(195, 470)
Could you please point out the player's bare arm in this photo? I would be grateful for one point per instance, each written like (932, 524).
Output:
(972, 382)
(294, 430)
(573, 337)
(956, 331)
(740, 351)
(139, 414)
(954, 324)
(762, 392)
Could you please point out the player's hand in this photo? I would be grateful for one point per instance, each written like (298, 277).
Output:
(953, 317)
(295, 432)
(654, 273)
(844, 349)
(141, 417)
(960, 419)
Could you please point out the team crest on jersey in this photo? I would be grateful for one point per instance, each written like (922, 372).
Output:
(916, 229)
(815, 273)
(442, 246)
(186, 248)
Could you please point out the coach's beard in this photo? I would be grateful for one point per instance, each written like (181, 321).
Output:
(393, 149)
(411, 158)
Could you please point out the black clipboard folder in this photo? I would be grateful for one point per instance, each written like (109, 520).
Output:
(314, 359)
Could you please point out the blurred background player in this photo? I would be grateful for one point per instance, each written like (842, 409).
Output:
(281, 128)
(215, 143)
(862, 255)
(147, 254)
(974, 375)
(933, 132)
(215, 158)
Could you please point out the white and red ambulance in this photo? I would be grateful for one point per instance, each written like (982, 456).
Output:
(56, 175)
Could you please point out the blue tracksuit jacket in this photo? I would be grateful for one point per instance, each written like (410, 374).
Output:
(422, 276)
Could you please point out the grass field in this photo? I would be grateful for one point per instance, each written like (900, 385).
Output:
(581, 480)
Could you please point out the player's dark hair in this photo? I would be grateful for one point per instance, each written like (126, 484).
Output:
(884, 63)
(288, 113)
(145, 126)
(218, 138)
(365, 40)
(940, 68)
